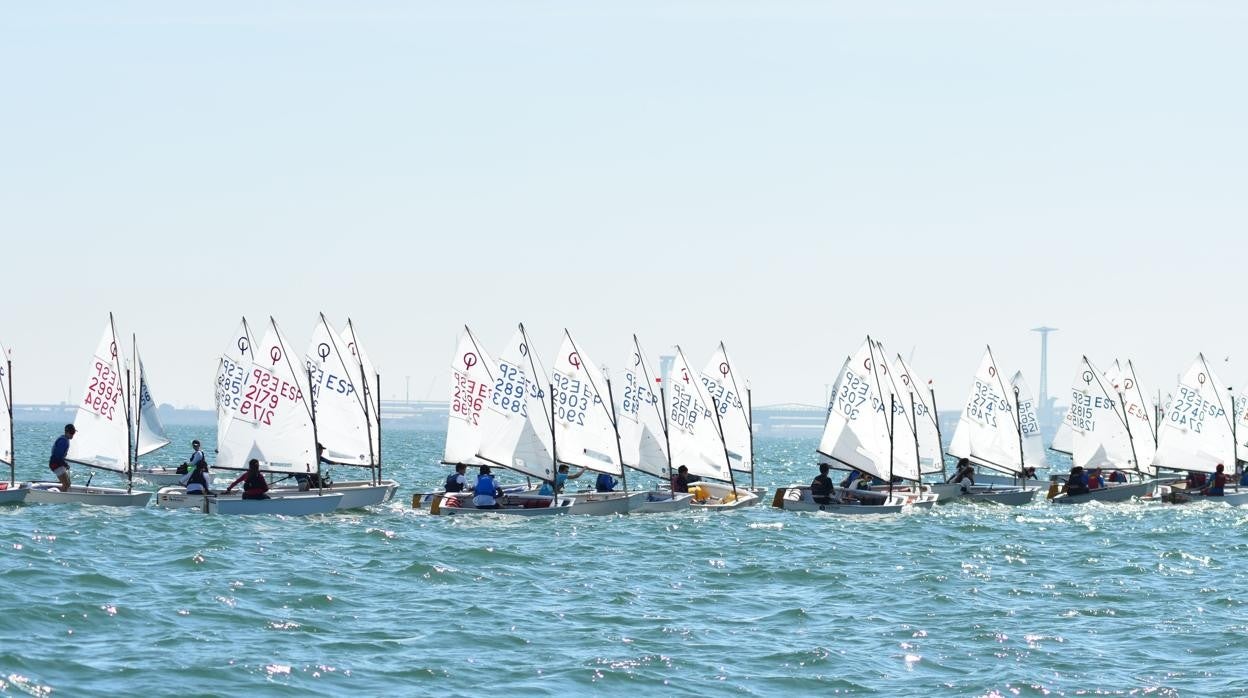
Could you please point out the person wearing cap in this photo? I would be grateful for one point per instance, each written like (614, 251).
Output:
(57, 463)
(486, 492)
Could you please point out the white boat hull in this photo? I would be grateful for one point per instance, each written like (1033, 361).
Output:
(303, 504)
(177, 498)
(355, 494)
(720, 495)
(1178, 495)
(521, 505)
(945, 491)
(1110, 493)
(14, 494)
(798, 498)
(985, 478)
(50, 493)
(1005, 495)
(659, 501)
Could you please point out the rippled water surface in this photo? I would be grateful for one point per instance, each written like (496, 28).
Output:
(962, 600)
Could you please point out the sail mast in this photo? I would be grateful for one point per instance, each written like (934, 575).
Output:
(9, 400)
(727, 459)
(138, 413)
(749, 420)
(1018, 426)
(939, 437)
(619, 450)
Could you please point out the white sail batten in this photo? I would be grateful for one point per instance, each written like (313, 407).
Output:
(643, 441)
(517, 425)
(987, 432)
(149, 432)
(232, 370)
(584, 424)
(727, 391)
(472, 385)
(923, 414)
(102, 427)
(273, 420)
(1196, 431)
(337, 397)
(693, 436)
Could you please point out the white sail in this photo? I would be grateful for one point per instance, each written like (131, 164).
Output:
(149, 432)
(371, 381)
(987, 433)
(6, 420)
(643, 441)
(693, 435)
(273, 421)
(1028, 422)
(723, 385)
(102, 438)
(516, 427)
(584, 420)
(472, 384)
(1098, 427)
(1141, 419)
(232, 371)
(918, 402)
(856, 434)
(337, 396)
(1196, 431)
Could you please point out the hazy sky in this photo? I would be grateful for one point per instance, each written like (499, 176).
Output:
(785, 176)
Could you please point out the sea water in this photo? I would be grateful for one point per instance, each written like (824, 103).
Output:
(965, 599)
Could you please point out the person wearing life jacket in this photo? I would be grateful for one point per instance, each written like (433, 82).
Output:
(486, 492)
(456, 481)
(1118, 477)
(964, 473)
(1095, 480)
(1077, 482)
(821, 489)
(197, 483)
(605, 483)
(1195, 481)
(682, 479)
(254, 484)
(1217, 487)
(561, 478)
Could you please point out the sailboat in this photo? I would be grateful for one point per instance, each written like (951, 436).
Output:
(860, 433)
(516, 433)
(586, 433)
(1102, 437)
(11, 492)
(149, 433)
(920, 409)
(1199, 432)
(102, 439)
(370, 378)
(643, 433)
(999, 433)
(272, 423)
(695, 440)
(734, 402)
(344, 415)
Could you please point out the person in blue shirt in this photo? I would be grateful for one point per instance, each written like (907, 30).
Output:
(457, 481)
(561, 478)
(1077, 482)
(486, 492)
(60, 449)
(605, 483)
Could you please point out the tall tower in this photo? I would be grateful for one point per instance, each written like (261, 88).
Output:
(1046, 409)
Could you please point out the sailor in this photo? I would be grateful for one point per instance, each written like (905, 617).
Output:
(1095, 480)
(486, 492)
(1077, 482)
(965, 472)
(605, 483)
(561, 478)
(60, 449)
(456, 481)
(682, 479)
(254, 484)
(1217, 487)
(198, 482)
(1118, 477)
(821, 489)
